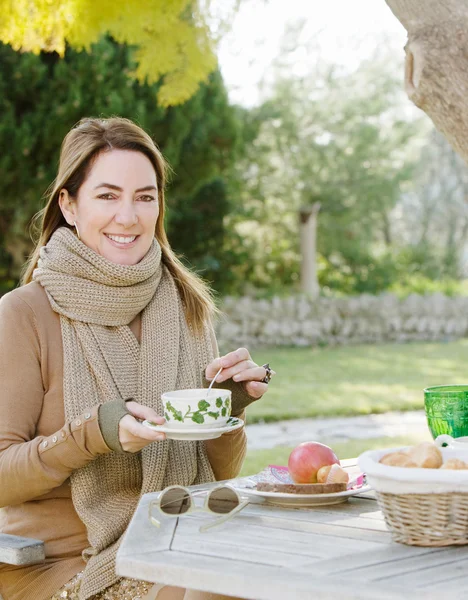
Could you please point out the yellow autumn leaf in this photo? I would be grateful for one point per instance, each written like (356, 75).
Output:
(172, 38)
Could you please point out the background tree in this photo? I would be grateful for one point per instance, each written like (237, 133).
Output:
(431, 220)
(174, 40)
(41, 97)
(338, 138)
(437, 63)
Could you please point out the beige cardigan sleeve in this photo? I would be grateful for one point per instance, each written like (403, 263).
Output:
(32, 465)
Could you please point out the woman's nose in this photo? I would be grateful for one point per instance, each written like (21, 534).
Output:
(126, 215)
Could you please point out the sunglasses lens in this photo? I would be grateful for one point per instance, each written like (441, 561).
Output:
(175, 501)
(223, 500)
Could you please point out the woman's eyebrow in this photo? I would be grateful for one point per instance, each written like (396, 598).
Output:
(147, 188)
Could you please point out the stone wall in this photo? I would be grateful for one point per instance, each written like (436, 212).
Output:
(298, 321)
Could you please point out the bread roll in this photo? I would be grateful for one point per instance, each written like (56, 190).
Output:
(332, 474)
(398, 459)
(426, 455)
(454, 463)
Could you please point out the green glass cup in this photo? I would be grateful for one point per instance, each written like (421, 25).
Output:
(447, 410)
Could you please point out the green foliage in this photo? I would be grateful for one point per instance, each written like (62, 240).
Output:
(408, 271)
(419, 284)
(42, 97)
(338, 139)
(196, 227)
(173, 42)
(359, 274)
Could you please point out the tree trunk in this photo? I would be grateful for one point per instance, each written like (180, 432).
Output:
(387, 230)
(436, 72)
(308, 221)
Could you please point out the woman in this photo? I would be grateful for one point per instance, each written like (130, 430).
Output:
(107, 320)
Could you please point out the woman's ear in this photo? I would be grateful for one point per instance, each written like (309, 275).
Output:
(67, 206)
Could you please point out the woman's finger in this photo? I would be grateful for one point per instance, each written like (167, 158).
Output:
(129, 426)
(231, 359)
(144, 412)
(237, 368)
(251, 374)
(256, 389)
(212, 369)
(145, 433)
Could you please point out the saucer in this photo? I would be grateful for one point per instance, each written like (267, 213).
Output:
(200, 433)
(302, 500)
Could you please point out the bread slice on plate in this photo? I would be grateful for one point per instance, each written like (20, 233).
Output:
(298, 488)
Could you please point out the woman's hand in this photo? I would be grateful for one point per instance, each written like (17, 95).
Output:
(134, 436)
(240, 366)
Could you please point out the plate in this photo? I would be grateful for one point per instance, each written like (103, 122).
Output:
(195, 434)
(302, 500)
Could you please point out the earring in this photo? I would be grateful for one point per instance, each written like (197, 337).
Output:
(77, 230)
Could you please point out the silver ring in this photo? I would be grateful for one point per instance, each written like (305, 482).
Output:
(268, 375)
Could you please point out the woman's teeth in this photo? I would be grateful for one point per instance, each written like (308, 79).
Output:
(121, 239)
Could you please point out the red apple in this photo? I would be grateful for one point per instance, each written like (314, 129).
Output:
(305, 460)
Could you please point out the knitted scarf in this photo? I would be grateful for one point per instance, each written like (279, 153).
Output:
(102, 361)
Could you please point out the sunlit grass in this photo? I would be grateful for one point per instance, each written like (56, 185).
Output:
(356, 380)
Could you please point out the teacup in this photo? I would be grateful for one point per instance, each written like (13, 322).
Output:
(197, 408)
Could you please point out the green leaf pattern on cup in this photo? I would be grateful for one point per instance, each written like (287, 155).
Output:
(204, 409)
(177, 414)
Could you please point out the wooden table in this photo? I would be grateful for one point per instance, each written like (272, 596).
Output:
(271, 553)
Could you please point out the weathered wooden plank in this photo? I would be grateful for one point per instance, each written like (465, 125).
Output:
(423, 571)
(254, 555)
(392, 560)
(456, 584)
(353, 507)
(347, 514)
(347, 521)
(261, 582)
(259, 539)
(142, 534)
(333, 530)
(18, 550)
(337, 533)
(299, 521)
(362, 560)
(370, 495)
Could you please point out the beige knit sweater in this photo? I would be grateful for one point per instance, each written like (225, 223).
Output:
(35, 495)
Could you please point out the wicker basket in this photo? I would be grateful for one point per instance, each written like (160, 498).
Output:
(421, 507)
(426, 519)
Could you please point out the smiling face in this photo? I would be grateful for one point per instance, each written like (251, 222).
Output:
(117, 206)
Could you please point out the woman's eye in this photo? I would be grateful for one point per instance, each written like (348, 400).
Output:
(147, 198)
(106, 196)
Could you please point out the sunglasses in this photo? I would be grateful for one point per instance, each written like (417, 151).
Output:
(177, 500)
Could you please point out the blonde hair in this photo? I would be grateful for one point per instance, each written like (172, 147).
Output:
(79, 149)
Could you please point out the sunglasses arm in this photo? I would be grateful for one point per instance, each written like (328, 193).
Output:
(224, 518)
(153, 520)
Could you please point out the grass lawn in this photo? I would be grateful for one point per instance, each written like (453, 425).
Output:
(257, 460)
(352, 380)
